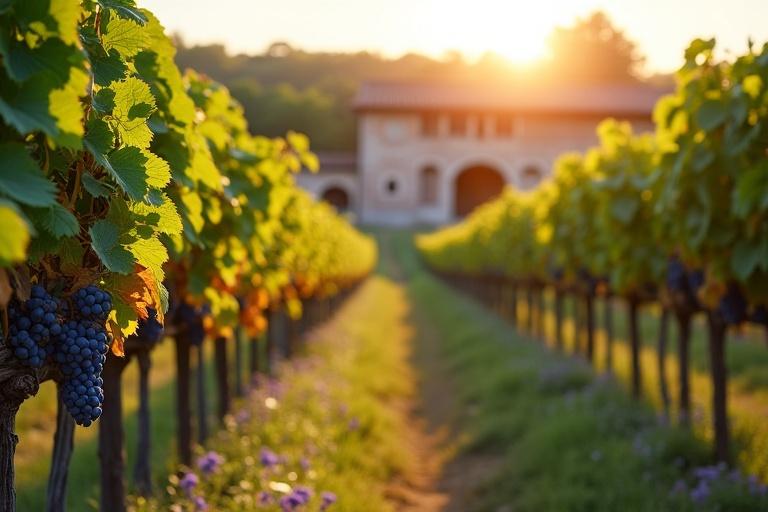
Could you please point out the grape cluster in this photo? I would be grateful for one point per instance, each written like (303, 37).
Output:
(191, 318)
(733, 306)
(150, 330)
(685, 281)
(93, 303)
(33, 323)
(81, 353)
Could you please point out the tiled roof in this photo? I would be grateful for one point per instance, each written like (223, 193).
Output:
(625, 99)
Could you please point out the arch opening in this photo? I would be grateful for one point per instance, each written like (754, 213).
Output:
(336, 197)
(474, 186)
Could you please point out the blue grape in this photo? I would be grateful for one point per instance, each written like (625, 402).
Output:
(33, 323)
(92, 303)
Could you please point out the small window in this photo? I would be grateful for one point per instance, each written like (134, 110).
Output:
(504, 125)
(392, 187)
(458, 125)
(429, 124)
(428, 189)
(480, 126)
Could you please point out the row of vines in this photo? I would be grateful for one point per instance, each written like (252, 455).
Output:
(135, 206)
(677, 217)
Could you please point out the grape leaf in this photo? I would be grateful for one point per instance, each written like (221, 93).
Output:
(14, 235)
(134, 104)
(60, 222)
(125, 9)
(107, 67)
(95, 187)
(124, 35)
(105, 242)
(39, 105)
(711, 114)
(127, 167)
(150, 253)
(22, 179)
(166, 218)
(52, 18)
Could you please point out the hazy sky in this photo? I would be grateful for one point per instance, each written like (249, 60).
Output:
(514, 28)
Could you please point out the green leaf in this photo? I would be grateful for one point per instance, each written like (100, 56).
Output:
(60, 222)
(14, 235)
(127, 167)
(125, 9)
(52, 59)
(22, 179)
(124, 35)
(104, 100)
(702, 157)
(95, 187)
(134, 104)
(105, 238)
(625, 208)
(99, 139)
(107, 67)
(39, 105)
(745, 259)
(711, 114)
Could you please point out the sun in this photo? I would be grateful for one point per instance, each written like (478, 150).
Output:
(516, 32)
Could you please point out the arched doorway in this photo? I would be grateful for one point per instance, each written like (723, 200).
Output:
(474, 186)
(337, 197)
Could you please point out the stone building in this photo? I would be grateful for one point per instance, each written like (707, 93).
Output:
(430, 153)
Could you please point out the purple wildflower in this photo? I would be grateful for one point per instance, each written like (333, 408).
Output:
(304, 463)
(209, 462)
(701, 492)
(268, 458)
(188, 482)
(290, 502)
(328, 498)
(303, 494)
(354, 424)
(265, 498)
(200, 504)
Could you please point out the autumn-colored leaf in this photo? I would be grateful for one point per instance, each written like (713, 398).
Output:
(118, 340)
(137, 290)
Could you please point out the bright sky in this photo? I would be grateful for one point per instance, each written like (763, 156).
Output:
(514, 28)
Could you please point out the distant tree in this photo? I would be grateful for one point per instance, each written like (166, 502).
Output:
(593, 50)
(279, 49)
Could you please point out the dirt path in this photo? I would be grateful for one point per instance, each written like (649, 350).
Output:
(443, 479)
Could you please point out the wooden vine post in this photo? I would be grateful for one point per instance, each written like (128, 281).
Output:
(63, 444)
(719, 374)
(142, 471)
(635, 346)
(222, 376)
(661, 362)
(683, 348)
(183, 407)
(608, 330)
(111, 437)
